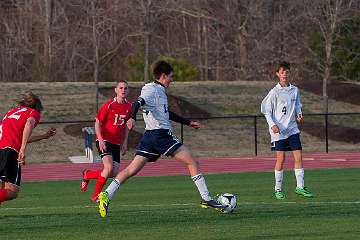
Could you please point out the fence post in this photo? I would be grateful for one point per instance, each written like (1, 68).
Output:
(255, 134)
(182, 132)
(326, 133)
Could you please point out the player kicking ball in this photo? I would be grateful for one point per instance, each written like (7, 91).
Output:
(158, 139)
(282, 110)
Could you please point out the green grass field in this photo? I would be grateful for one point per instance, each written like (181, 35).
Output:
(167, 208)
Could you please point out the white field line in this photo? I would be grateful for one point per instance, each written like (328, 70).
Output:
(334, 160)
(308, 159)
(325, 159)
(178, 204)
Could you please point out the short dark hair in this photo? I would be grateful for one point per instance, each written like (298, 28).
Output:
(32, 101)
(283, 65)
(161, 67)
(121, 81)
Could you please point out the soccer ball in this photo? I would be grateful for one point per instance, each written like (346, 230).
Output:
(228, 200)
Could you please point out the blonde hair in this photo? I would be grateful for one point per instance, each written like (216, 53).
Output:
(32, 101)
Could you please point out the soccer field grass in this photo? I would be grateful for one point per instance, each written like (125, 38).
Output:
(167, 208)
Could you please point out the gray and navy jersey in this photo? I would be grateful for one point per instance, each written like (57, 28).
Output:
(280, 107)
(156, 109)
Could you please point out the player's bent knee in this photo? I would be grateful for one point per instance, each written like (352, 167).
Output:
(113, 173)
(298, 161)
(107, 171)
(194, 163)
(12, 194)
(184, 155)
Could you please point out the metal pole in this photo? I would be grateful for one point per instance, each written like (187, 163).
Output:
(326, 133)
(255, 134)
(97, 96)
(182, 133)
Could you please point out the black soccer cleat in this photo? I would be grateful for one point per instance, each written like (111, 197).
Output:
(213, 204)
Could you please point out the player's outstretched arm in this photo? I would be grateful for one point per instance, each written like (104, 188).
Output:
(49, 133)
(176, 118)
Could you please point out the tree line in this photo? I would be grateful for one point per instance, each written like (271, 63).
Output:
(105, 40)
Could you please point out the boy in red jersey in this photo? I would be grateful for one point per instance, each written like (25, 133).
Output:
(15, 133)
(111, 138)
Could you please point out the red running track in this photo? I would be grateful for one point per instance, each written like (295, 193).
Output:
(71, 171)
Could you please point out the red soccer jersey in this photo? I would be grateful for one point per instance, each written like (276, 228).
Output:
(112, 117)
(13, 124)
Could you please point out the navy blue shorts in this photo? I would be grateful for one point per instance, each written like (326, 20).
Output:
(157, 142)
(292, 143)
(10, 169)
(111, 149)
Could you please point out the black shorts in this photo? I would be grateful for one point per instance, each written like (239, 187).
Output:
(155, 143)
(292, 143)
(111, 149)
(10, 169)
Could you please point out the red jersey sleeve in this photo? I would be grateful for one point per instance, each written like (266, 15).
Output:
(103, 112)
(36, 115)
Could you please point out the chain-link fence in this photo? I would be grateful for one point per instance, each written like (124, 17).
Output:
(218, 136)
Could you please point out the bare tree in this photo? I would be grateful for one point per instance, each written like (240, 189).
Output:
(47, 37)
(146, 5)
(327, 16)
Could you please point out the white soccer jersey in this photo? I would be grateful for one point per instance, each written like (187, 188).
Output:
(280, 107)
(156, 109)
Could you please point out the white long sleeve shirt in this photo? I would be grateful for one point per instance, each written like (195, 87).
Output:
(156, 108)
(280, 107)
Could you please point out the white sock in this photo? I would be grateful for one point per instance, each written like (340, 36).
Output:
(278, 179)
(299, 174)
(112, 188)
(200, 183)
